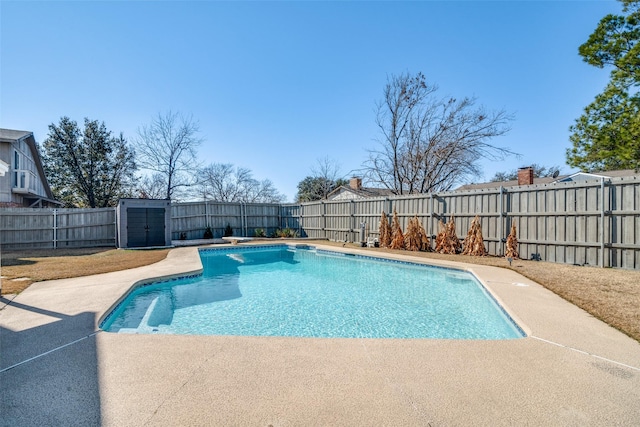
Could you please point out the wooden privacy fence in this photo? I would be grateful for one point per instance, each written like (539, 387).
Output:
(23, 228)
(190, 220)
(585, 223)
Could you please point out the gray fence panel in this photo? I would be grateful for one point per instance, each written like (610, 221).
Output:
(264, 216)
(190, 220)
(27, 228)
(291, 217)
(586, 223)
(85, 227)
(313, 220)
(24, 228)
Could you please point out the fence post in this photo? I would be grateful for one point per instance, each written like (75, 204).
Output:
(246, 221)
(354, 224)
(206, 213)
(431, 228)
(323, 222)
(602, 212)
(115, 226)
(502, 225)
(55, 228)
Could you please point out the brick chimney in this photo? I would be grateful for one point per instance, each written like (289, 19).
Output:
(355, 183)
(525, 176)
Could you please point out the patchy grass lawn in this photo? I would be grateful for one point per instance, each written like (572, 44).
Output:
(21, 268)
(611, 295)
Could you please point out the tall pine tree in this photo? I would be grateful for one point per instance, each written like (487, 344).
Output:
(88, 167)
(607, 135)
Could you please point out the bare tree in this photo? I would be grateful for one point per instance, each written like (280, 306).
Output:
(539, 171)
(167, 146)
(429, 143)
(152, 187)
(225, 183)
(328, 172)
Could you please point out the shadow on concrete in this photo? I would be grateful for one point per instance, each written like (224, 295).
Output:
(48, 373)
(16, 261)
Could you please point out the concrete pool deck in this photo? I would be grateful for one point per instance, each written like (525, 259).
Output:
(57, 368)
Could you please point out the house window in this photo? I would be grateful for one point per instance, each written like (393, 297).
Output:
(16, 160)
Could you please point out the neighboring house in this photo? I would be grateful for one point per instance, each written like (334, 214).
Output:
(597, 176)
(355, 190)
(23, 184)
(525, 177)
(4, 168)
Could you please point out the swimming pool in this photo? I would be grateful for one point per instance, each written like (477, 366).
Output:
(282, 290)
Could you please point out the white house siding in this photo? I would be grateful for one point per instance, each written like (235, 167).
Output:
(345, 195)
(5, 181)
(23, 180)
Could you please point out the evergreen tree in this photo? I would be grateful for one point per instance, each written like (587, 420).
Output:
(314, 188)
(89, 167)
(607, 135)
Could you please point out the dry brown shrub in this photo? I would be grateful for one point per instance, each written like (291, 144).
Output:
(440, 237)
(512, 244)
(397, 238)
(474, 243)
(447, 241)
(385, 231)
(416, 238)
(454, 242)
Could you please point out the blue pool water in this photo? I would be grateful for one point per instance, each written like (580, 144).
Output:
(303, 292)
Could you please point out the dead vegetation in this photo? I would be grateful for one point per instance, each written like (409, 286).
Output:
(512, 244)
(416, 238)
(474, 243)
(447, 241)
(21, 268)
(384, 231)
(397, 237)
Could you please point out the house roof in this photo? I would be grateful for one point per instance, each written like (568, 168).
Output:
(511, 183)
(549, 180)
(11, 135)
(361, 192)
(607, 174)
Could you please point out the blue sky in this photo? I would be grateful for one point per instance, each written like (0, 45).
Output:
(278, 85)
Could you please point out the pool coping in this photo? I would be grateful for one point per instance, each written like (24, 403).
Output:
(571, 369)
(511, 317)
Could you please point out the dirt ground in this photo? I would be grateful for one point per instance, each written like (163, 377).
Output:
(611, 295)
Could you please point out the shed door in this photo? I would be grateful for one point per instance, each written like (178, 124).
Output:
(145, 227)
